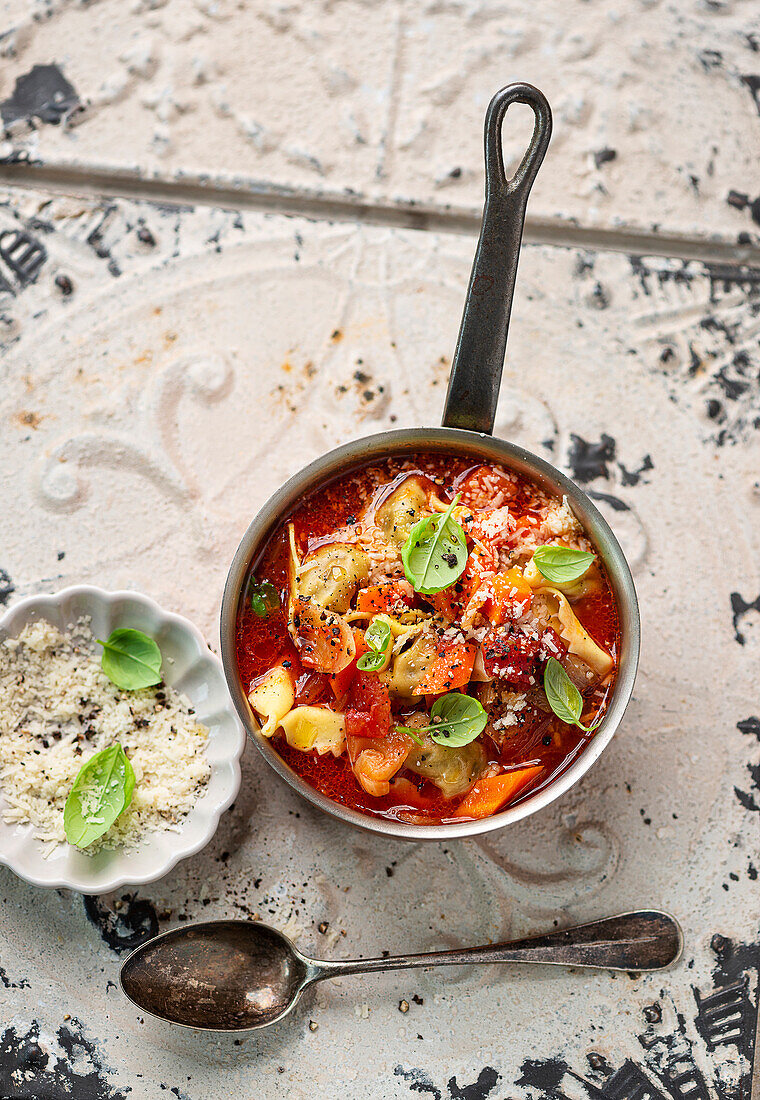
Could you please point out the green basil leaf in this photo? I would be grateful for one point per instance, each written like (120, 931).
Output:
(435, 553)
(264, 599)
(457, 720)
(562, 694)
(461, 720)
(101, 791)
(561, 564)
(131, 659)
(378, 638)
(371, 661)
(378, 635)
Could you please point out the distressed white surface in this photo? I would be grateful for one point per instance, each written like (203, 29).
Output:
(387, 98)
(151, 412)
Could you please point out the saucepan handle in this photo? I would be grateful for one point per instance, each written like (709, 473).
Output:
(479, 356)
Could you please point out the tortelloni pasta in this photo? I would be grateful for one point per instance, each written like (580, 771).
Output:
(452, 770)
(272, 698)
(320, 589)
(331, 576)
(305, 728)
(315, 728)
(405, 671)
(579, 642)
(417, 653)
(589, 584)
(400, 511)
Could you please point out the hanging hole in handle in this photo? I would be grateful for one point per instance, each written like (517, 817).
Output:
(522, 178)
(515, 137)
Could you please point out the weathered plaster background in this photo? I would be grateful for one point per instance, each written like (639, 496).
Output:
(656, 103)
(164, 369)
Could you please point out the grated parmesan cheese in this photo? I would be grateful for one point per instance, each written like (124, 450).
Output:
(58, 708)
(515, 701)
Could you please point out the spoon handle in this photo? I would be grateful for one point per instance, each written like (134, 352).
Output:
(644, 940)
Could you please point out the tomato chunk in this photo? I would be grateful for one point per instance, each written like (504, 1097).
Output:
(368, 709)
(341, 681)
(488, 796)
(512, 657)
(310, 688)
(450, 669)
(406, 793)
(487, 487)
(324, 640)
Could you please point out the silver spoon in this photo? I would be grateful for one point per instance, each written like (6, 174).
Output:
(234, 975)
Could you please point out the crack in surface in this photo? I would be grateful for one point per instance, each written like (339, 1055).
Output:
(190, 190)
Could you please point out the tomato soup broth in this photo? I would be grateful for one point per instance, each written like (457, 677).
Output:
(428, 639)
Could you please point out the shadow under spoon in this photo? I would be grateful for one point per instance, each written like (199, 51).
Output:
(234, 975)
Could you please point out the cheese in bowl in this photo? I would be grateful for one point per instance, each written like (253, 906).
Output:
(59, 711)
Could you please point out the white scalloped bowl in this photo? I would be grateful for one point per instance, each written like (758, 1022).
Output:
(190, 667)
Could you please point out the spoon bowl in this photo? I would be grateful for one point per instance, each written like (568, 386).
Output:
(225, 975)
(234, 975)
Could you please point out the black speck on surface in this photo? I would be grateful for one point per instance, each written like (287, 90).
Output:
(739, 608)
(598, 1063)
(584, 264)
(590, 460)
(145, 236)
(750, 799)
(633, 477)
(7, 587)
(710, 59)
(614, 502)
(752, 81)
(43, 93)
(6, 982)
(600, 297)
(604, 156)
(542, 1073)
(737, 199)
(126, 928)
(96, 239)
(65, 285)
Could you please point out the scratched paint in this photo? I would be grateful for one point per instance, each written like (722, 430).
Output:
(36, 1067)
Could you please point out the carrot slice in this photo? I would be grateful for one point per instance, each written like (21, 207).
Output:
(488, 796)
(511, 596)
(386, 598)
(450, 669)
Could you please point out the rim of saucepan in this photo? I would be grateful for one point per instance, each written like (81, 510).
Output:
(437, 440)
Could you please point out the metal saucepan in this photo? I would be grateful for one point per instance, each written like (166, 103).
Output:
(467, 425)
